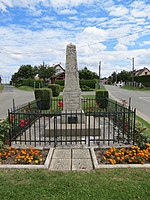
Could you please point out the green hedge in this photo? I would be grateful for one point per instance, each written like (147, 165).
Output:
(85, 84)
(145, 80)
(43, 98)
(102, 98)
(33, 83)
(89, 83)
(55, 89)
(60, 82)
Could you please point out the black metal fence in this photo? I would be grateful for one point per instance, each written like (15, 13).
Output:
(92, 125)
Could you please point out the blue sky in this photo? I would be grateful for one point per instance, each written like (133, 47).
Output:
(110, 31)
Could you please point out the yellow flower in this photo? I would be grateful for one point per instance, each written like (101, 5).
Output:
(36, 161)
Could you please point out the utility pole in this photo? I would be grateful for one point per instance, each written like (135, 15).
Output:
(99, 75)
(133, 71)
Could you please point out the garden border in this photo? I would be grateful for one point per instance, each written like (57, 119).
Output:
(27, 166)
(109, 166)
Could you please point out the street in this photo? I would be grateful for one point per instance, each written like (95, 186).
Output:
(8, 94)
(139, 99)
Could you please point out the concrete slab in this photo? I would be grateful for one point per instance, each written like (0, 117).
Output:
(62, 153)
(81, 154)
(82, 165)
(60, 165)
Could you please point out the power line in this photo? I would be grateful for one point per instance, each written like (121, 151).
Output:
(78, 46)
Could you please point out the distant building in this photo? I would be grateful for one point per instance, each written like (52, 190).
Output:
(59, 74)
(142, 72)
(103, 81)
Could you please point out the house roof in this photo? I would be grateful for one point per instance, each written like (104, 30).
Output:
(59, 72)
(138, 72)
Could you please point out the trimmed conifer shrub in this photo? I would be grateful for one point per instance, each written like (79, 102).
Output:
(102, 98)
(55, 89)
(43, 98)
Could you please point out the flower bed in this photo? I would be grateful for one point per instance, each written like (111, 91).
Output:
(131, 155)
(28, 156)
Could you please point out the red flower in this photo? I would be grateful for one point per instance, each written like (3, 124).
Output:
(22, 122)
(60, 104)
(11, 118)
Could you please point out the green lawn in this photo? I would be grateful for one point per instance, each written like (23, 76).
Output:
(118, 184)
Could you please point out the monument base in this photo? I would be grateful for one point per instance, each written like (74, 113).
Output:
(73, 117)
(89, 128)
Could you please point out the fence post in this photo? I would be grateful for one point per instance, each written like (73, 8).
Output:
(13, 105)
(55, 131)
(134, 120)
(10, 127)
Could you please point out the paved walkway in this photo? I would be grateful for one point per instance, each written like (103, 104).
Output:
(71, 159)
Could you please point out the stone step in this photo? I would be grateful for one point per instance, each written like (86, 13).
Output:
(71, 159)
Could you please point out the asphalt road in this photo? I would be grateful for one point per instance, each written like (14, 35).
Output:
(8, 94)
(139, 99)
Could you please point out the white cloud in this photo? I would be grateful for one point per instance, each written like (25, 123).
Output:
(140, 9)
(4, 4)
(67, 11)
(118, 11)
(121, 47)
(70, 3)
(91, 34)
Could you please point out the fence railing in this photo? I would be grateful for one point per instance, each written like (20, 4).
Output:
(92, 125)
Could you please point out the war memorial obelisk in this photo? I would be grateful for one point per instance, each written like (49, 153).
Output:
(72, 101)
(72, 121)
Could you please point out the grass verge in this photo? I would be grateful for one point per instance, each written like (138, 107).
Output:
(135, 88)
(118, 184)
(140, 122)
(1, 88)
(26, 88)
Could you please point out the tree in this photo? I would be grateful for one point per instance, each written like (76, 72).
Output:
(24, 72)
(87, 74)
(124, 76)
(121, 76)
(44, 71)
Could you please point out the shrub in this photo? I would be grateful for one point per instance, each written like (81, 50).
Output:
(33, 83)
(145, 80)
(86, 88)
(55, 89)
(43, 98)
(102, 98)
(89, 83)
(60, 82)
(4, 131)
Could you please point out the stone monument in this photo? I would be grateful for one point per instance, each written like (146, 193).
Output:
(72, 91)
(72, 101)
(72, 121)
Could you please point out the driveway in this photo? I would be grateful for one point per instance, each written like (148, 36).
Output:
(8, 94)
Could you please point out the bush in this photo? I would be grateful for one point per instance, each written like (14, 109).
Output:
(43, 98)
(102, 98)
(55, 89)
(60, 82)
(4, 132)
(33, 83)
(145, 80)
(86, 88)
(89, 83)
